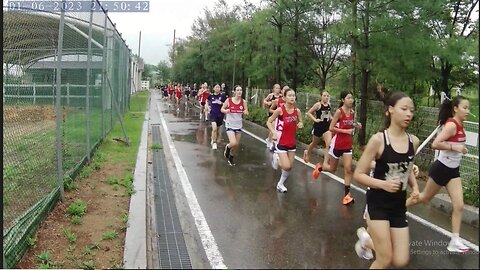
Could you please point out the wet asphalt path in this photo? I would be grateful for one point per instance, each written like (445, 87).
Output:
(255, 226)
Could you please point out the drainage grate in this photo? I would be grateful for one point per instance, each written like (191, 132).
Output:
(171, 244)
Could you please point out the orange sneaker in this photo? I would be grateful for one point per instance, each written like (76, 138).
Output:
(316, 171)
(305, 156)
(347, 199)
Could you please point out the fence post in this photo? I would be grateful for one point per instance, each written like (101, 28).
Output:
(256, 97)
(34, 94)
(104, 73)
(87, 94)
(306, 103)
(58, 105)
(68, 94)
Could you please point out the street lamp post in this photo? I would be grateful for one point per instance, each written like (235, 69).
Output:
(234, 64)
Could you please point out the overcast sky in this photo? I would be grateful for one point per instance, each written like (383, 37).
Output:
(157, 25)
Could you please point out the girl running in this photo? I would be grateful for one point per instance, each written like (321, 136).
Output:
(445, 171)
(343, 127)
(392, 151)
(213, 106)
(267, 101)
(276, 103)
(321, 125)
(178, 94)
(194, 93)
(286, 145)
(203, 95)
(234, 109)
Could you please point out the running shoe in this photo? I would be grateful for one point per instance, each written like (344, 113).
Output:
(230, 161)
(305, 156)
(456, 245)
(269, 143)
(214, 146)
(363, 252)
(272, 147)
(226, 153)
(316, 171)
(275, 161)
(347, 199)
(281, 188)
(363, 237)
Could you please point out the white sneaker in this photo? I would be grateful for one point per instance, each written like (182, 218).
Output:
(281, 188)
(275, 161)
(214, 146)
(363, 237)
(363, 252)
(456, 245)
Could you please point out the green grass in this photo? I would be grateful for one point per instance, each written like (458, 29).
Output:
(77, 208)
(112, 234)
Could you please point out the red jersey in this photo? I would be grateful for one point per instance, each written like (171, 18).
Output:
(288, 136)
(449, 158)
(204, 96)
(459, 136)
(170, 90)
(178, 93)
(343, 141)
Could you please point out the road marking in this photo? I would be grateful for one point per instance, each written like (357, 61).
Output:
(208, 241)
(413, 216)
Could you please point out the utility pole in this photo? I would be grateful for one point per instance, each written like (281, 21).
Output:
(139, 42)
(173, 48)
(234, 64)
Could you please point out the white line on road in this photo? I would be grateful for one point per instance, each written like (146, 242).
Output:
(208, 241)
(413, 216)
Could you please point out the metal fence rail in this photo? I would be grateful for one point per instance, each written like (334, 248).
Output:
(66, 82)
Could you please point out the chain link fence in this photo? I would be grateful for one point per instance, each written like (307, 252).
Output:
(423, 124)
(66, 82)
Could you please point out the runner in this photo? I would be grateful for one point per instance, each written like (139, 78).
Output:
(178, 95)
(342, 126)
(286, 144)
(203, 94)
(186, 92)
(321, 125)
(267, 101)
(278, 122)
(393, 151)
(170, 91)
(194, 93)
(234, 109)
(213, 106)
(445, 171)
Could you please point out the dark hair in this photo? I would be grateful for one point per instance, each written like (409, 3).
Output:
(343, 95)
(446, 109)
(390, 100)
(288, 90)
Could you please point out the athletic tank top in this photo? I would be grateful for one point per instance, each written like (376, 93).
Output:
(392, 164)
(343, 141)
(233, 119)
(287, 138)
(272, 99)
(449, 158)
(324, 115)
(216, 101)
(204, 96)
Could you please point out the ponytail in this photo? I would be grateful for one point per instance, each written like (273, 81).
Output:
(446, 109)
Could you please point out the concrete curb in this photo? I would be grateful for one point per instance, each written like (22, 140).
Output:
(135, 252)
(440, 201)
